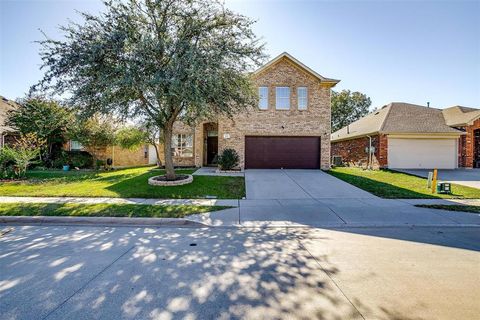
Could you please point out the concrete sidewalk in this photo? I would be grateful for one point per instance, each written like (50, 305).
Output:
(143, 201)
(325, 212)
(236, 202)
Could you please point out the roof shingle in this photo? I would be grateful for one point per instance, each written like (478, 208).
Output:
(397, 117)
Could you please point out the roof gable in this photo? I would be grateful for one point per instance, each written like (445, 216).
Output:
(459, 116)
(285, 55)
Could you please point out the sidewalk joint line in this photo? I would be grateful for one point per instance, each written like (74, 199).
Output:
(308, 193)
(330, 277)
(87, 283)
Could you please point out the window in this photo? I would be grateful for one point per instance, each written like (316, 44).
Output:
(182, 145)
(75, 145)
(282, 96)
(263, 98)
(302, 98)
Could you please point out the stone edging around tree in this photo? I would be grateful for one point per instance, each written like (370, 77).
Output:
(154, 182)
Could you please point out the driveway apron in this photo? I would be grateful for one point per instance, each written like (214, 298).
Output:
(298, 184)
(314, 198)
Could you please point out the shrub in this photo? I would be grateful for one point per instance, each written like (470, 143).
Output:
(6, 165)
(80, 159)
(60, 159)
(24, 153)
(229, 159)
(99, 164)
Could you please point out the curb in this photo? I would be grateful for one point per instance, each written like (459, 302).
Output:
(102, 221)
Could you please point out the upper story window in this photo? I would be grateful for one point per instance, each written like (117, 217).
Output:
(282, 96)
(302, 95)
(263, 98)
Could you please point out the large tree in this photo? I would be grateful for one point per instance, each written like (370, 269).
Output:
(348, 107)
(47, 119)
(161, 59)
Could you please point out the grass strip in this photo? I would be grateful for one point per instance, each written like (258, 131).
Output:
(451, 207)
(103, 210)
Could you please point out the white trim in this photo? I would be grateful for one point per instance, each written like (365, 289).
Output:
(411, 135)
(424, 136)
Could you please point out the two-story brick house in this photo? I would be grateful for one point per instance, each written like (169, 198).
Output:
(289, 128)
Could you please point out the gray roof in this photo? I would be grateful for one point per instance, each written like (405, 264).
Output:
(459, 116)
(397, 117)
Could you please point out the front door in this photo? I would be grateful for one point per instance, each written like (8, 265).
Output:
(476, 148)
(212, 150)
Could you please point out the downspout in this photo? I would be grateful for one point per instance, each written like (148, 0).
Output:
(369, 152)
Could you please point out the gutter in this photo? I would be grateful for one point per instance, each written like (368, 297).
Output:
(452, 134)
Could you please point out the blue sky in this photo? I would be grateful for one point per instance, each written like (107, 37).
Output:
(407, 51)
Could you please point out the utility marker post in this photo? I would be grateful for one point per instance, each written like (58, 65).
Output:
(434, 182)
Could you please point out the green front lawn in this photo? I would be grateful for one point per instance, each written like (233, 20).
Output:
(451, 207)
(103, 210)
(126, 183)
(391, 184)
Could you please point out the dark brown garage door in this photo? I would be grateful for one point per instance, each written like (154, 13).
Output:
(282, 152)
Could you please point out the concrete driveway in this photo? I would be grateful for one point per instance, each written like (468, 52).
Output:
(222, 273)
(298, 184)
(314, 198)
(466, 177)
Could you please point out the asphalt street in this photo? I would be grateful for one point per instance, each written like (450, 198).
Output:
(60, 272)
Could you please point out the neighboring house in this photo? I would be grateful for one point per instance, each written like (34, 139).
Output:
(468, 121)
(120, 157)
(407, 136)
(289, 128)
(7, 134)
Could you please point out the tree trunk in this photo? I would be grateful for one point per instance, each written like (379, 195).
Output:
(159, 162)
(167, 149)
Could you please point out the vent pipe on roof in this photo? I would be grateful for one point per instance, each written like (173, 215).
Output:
(428, 104)
(348, 129)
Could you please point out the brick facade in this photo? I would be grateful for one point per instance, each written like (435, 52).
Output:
(315, 121)
(467, 151)
(121, 157)
(353, 151)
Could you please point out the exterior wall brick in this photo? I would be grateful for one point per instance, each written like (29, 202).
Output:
(125, 157)
(469, 145)
(315, 121)
(121, 157)
(353, 151)
(382, 155)
(462, 151)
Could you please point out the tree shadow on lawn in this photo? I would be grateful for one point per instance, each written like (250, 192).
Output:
(202, 186)
(386, 190)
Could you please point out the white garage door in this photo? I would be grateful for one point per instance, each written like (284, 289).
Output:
(422, 153)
